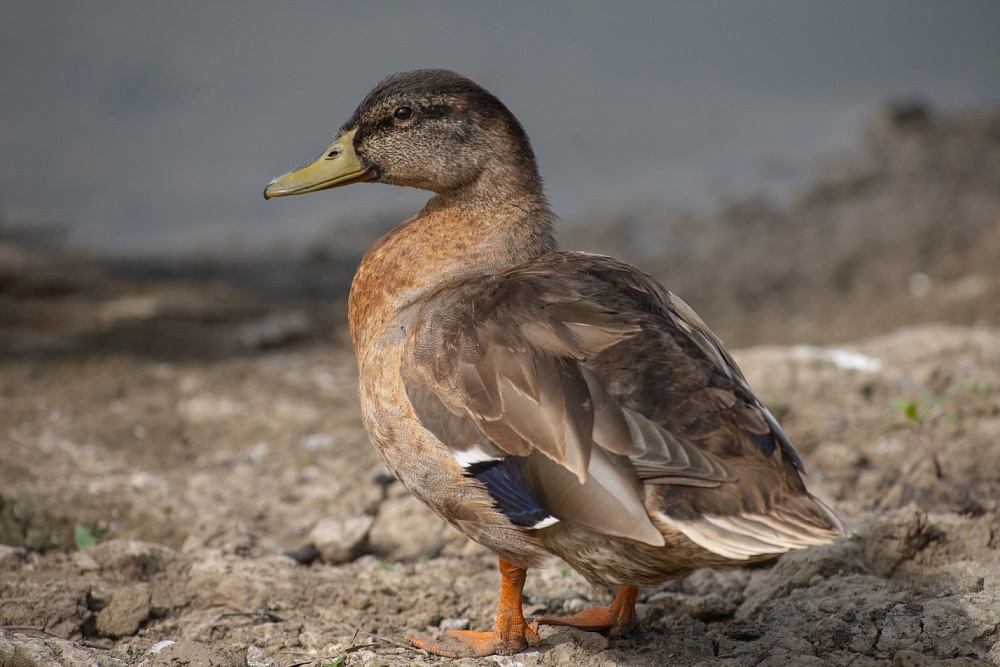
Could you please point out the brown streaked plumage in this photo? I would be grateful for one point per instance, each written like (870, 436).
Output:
(545, 402)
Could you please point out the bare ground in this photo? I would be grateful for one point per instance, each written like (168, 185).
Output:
(199, 420)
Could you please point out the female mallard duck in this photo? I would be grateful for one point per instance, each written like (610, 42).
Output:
(542, 401)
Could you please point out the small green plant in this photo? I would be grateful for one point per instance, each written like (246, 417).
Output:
(84, 536)
(385, 564)
(778, 406)
(334, 662)
(915, 414)
(564, 571)
(979, 389)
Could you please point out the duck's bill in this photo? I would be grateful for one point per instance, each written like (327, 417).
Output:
(337, 166)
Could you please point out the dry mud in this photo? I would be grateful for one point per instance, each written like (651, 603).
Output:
(203, 427)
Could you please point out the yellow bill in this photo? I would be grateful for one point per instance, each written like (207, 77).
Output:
(338, 165)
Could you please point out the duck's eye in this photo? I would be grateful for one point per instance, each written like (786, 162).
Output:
(403, 113)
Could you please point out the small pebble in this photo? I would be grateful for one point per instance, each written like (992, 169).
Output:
(341, 540)
(454, 624)
(304, 555)
(159, 646)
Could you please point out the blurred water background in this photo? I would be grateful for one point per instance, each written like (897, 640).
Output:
(152, 127)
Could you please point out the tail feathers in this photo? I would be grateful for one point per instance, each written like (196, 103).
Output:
(747, 536)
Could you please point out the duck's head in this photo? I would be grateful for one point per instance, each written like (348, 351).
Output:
(431, 129)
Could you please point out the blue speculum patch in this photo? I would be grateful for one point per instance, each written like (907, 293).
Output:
(505, 481)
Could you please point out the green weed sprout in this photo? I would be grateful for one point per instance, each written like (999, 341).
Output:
(84, 536)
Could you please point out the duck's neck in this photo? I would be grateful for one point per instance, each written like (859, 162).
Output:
(450, 238)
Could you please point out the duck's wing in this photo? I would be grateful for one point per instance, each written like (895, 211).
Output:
(497, 370)
(679, 318)
(567, 385)
(707, 401)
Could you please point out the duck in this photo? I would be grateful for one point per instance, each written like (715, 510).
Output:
(544, 402)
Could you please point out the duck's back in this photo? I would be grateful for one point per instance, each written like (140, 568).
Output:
(648, 349)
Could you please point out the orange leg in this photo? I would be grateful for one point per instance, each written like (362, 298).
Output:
(511, 634)
(618, 619)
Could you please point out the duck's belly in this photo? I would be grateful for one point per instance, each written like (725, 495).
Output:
(428, 470)
(604, 560)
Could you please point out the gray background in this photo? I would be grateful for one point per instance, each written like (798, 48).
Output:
(153, 127)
